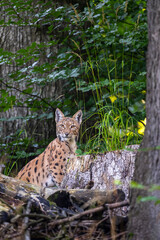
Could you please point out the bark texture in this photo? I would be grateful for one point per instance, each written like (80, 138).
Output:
(101, 172)
(14, 38)
(144, 217)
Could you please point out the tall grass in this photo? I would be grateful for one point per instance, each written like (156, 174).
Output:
(113, 125)
(108, 74)
(111, 131)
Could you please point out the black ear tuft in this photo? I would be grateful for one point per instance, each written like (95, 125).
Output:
(58, 115)
(78, 116)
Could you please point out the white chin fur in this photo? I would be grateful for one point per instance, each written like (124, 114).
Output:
(67, 139)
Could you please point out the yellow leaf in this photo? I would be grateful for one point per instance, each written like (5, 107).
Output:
(141, 126)
(130, 134)
(116, 118)
(113, 98)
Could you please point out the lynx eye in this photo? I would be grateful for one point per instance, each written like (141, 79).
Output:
(62, 126)
(73, 126)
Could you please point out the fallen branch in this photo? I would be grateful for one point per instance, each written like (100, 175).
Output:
(117, 205)
(64, 213)
(117, 235)
(32, 215)
(90, 211)
(77, 216)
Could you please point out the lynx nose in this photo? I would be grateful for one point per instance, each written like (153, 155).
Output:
(66, 134)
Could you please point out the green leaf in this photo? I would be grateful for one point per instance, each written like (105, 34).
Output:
(117, 182)
(50, 115)
(28, 90)
(154, 187)
(137, 185)
(148, 198)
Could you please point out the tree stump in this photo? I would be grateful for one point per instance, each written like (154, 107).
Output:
(106, 171)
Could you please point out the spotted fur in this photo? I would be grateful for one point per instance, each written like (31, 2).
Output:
(48, 168)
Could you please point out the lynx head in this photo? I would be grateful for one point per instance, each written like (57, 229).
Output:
(67, 128)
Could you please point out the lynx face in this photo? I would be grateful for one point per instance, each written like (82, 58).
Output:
(48, 168)
(67, 129)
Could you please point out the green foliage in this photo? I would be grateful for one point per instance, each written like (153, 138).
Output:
(137, 185)
(16, 148)
(101, 57)
(146, 189)
(148, 198)
(114, 129)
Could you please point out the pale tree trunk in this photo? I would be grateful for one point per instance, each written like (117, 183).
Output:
(14, 38)
(144, 220)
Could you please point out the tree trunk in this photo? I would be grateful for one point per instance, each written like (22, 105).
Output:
(13, 38)
(144, 216)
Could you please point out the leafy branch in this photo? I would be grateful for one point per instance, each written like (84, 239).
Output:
(24, 92)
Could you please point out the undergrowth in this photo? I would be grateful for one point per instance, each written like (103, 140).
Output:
(101, 63)
(115, 129)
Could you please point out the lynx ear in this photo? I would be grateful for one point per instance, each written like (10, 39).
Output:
(58, 115)
(78, 116)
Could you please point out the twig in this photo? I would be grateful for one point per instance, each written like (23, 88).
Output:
(23, 91)
(36, 215)
(35, 222)
(76, 216)
(101, 221)
(117, 205)
(8, 205)
(25, 222)
(90, 211)
(117, 235)
(25, 231)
